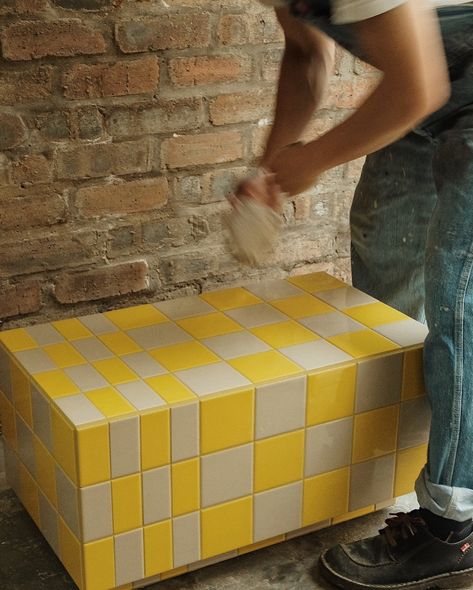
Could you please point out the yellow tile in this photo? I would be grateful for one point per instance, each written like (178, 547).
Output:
(408, 466)
(362, 343)
(138, 316)
(110, 402)
(21, 389)
(325, 496)
(237, 532)
(56, 383)
(99, 564)
(302, 306)
(64, 448)
(227, 420)
(72, 329)
(45, 471)
(93, 452)
(64, 355)
(184, 356)
(115, 371)
(230, 298)
(375, 314)
(413, 378)
(185, 486)
(210, 324)
(178, 571)
(279, 460)
(8, 420)
(316, 281)
(375, 433)
(158, 548)
(264, 366)
(29, 493)
(18, 339)
(155, 439)
(331, 394)
(170, 388)
(70, 552)
(261, 544)
(126, 503)
(284, 334)
(120, 343)
(353, 514)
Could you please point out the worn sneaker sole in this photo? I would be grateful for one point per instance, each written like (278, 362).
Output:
(449, 581)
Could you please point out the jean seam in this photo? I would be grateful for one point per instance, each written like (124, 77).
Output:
(458, 364)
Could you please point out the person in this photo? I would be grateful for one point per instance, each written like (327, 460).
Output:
(411, 239)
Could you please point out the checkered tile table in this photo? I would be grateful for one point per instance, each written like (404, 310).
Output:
(149, 441)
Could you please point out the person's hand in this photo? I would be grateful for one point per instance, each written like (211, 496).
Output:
(294, 169)
(262, 188)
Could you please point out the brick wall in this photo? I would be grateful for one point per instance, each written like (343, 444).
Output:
(123, 123)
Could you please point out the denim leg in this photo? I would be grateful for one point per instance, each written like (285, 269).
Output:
(445, 486)
(390, 214)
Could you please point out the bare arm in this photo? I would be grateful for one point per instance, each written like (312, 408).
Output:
(405, 45)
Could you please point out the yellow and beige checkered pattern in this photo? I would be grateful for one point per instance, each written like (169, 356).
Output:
(149, 441)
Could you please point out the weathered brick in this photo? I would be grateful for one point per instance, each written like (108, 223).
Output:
(271, 65)
(131, 197)
(84, 4)
(103, 159)
(24, 86)
(206, 148)
(61, 249)
(34, 40)
(193, 71)
(107, 281)
(16, 7)
(80, 123)
(122, 239)
(35, 207)
(221, 183)
(241, 106)
(243, 29)
(167, 32)
(34, 168)
(13, 131)
(234, 29)
(156, 117)
(188, 266)
(121, 78)
(20, 299)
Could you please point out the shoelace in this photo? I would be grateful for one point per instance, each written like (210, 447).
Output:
(401, 526)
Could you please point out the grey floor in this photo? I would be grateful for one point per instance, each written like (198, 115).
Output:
(27, 562)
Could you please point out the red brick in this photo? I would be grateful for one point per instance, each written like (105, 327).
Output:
(13, 131)
(192, 71)
(100, 283)
(23, 86)
(234, 29)
(32, 208)
(167, 32)
(34, 168)
(131, 197)
(243, 106)
(33, 40)
(122, 78)
(20, 299)
(207, 148)
(103, 159)
(243, 29)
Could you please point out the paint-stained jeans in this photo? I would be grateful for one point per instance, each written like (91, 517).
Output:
(412, 247)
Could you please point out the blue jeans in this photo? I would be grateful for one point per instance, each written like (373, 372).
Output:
(412, 247)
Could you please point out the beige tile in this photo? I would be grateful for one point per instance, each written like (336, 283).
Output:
(184, 431)
(49, 522)
(344, 297)
(414, 425)
(274, 289)
(143, 364)
(184, 307)
(5, 376)
(68, 501)
(378, 382)
(129, 557)
(229, 346)
(372, 482)
(156, 495)
(25, 445)
(92, 349)
(308, 529)
(35, 361)
(125, 446)
(140, 395)
(277, 511)
(86, 377)
(331, 324)
(163, 334)
(12, 469)
(96, 512)
(41, 417)
(252, 316)
(79, 409)
(212, 560)
(98, 324)
(212, 379)
(186, 539)
(280, 407)
(405, 333)
(315, 355)
(227, 475)
(45, 334)
(328, 446)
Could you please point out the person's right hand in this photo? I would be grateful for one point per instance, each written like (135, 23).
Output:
(262, 188)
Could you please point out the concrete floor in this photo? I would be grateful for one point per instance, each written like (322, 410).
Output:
(27, 562)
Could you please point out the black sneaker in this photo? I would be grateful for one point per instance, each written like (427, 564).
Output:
(404, 555)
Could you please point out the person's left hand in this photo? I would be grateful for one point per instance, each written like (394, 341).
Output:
(294, 169)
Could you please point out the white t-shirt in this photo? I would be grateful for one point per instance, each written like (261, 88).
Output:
(352, 11)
